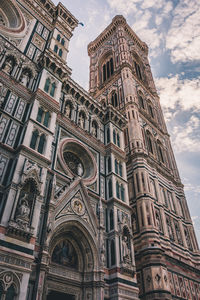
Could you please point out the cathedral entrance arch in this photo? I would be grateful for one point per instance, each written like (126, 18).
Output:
(74, 265)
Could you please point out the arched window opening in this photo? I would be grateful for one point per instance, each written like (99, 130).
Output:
(11, 293)
(114, 136)
(117, 189)
(60, 53)
(161, 153)
(116, 166)
(111, 220)
(47, 85)
(150, 109)
(53, 87)
(111, 66)
(107, 69)
(120, 169)
(138, 70)
(41, 143)
(62, 42)
(149, 143)
(110, 193)
(55, 49)
(141, 102)
(108, 135)
(58, 37)
(118, 140)
(34, 138)
(46, 119)
(40, 114)
(122, 192)
(104, 72)
(109, 164)
(112, 252)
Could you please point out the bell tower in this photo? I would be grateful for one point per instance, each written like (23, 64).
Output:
(120, 76)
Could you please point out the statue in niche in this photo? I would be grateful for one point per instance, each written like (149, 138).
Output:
(125, 249)
(8, 66)
(68, 110)
(23, 210)
(158, 224)
(65, 254)
(94, 130)
(80, 169)
(24, 79)
(81, 121)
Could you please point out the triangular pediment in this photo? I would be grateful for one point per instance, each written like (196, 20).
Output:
(75, 203)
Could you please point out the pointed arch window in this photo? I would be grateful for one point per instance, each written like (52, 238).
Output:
(141, 102)
(118, 140)
(34, 139)
(122, 192)
(55, 48)
(117, 190)
(62, 42)
(53, 87)
(60, 53)
(46, 119)
(120, 169)
(108, 135)
(40, 114)
(110, 188)
(41, 143)
(11, 293)
(116, 166)
(112, 252)
(58, 37)
(109, 164)
(107, 69)
(114, 136)
(47, 85)
(111, 220)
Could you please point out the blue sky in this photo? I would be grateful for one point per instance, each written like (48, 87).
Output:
(171, 29)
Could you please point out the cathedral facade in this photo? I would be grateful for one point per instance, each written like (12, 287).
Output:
(91, 203)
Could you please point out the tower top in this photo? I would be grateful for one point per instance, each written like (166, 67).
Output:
(117, 21)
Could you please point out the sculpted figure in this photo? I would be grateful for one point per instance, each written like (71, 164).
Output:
(67, 110)
(125, 248)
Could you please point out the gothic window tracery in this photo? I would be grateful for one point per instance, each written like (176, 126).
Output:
(114, 99)
(50, 86)
(38, 141)
(43, 116)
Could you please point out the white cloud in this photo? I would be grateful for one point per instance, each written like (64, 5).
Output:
(124, 7)
(186, 137)
(183, 38)
(173, 91)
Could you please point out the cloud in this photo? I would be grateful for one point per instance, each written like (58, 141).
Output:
(185, 137)
(124, 7)
(175, 91)
(183, 38)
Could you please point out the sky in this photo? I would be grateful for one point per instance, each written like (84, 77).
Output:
(171, 30)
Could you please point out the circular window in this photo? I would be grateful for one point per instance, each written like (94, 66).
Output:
(78, 160)
(12, 21)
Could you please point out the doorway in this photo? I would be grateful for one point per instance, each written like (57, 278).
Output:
(54, 295)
